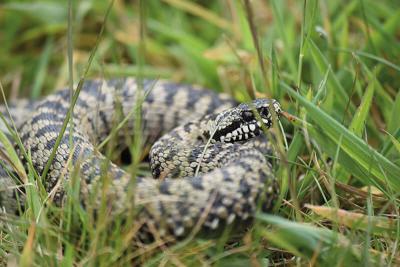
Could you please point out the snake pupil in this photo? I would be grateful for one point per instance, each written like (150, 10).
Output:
(264, 112)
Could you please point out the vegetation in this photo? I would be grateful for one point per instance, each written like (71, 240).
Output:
(335, 65)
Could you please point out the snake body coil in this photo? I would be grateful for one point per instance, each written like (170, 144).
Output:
(214, 146)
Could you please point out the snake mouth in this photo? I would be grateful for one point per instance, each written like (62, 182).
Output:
(240, 131)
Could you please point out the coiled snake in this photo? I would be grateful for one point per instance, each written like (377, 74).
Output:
(214, 146)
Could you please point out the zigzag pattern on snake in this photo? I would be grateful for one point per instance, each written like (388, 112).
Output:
(208, 159)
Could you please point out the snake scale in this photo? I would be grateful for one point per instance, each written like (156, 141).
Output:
(208, 159)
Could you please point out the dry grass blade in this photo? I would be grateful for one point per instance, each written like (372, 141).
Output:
(28, 251)
(380, 225)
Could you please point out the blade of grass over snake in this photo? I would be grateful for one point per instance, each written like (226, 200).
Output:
(12, 157)
(14, 133)
(126, 118)
(76, 94)
(70, 66)
(367, 159)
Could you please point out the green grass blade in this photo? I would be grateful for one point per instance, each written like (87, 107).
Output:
(361, 116)
(42, 69)
(387, 145)
(394, 121)
(75, 96)
(335, 88)
(309, 241)
(12, 157)
(395, 142)
(380, 60)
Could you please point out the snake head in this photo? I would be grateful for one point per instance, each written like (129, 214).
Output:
(241, 123)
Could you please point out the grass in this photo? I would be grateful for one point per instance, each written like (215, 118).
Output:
(333, 64)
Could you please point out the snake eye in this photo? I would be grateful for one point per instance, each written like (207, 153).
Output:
(247, 115)
(264, 112)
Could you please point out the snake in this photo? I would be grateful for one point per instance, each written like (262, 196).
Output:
(207, 158)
